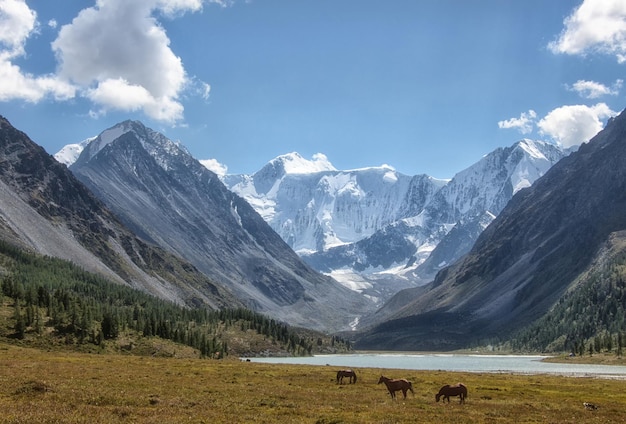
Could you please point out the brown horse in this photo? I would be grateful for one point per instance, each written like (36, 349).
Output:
(346, 373)
(396, 384)
(448, 390)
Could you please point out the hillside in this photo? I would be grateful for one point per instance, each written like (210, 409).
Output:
(168, 198)
(52, 304)
(547, 238)
(45, 209)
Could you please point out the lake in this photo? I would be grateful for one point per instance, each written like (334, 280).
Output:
(521, 364)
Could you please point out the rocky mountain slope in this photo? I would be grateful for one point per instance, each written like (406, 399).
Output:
(45, 209)
(167, 197)
(536, 249)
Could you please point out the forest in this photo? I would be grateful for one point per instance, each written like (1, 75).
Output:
(50, 296)
(588, 319)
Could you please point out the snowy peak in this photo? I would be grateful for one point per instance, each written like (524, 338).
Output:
(294, 163)
(533, 160)
(162, 149)
(288, 164)
(70, 152)
(314, 206)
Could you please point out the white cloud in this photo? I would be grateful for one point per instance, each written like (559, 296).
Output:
(17, 23)
(213, 165)
(524, 123)
(121, 54)
(575, 124)
(115, 54)
(206, 90)
(595, 26)
(593, 90)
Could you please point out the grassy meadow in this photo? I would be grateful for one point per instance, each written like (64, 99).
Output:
(39, 386)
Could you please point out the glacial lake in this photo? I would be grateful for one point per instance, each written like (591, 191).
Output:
(518, 364)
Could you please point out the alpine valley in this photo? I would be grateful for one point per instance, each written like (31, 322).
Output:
(508, 251)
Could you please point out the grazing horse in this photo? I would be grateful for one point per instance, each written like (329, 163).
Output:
(346, 373)
(393, 385)
(448, 390)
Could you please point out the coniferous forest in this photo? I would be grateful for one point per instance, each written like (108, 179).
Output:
(589, 319)
(54, 298)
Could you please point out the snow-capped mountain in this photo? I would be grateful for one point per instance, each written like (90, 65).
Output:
(314, 207)
(170, 199)
(375, 229)
(45, 209)
(561, 239)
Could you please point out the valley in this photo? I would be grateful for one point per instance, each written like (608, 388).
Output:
(61, 387)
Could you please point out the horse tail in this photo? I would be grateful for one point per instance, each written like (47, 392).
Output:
(411, 387)
(354, 377)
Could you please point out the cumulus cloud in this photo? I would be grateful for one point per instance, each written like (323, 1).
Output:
(17, 23)
(115, 54)
(576, 124)
(596, 26)
(523, 124)
(593, 90)
(121, 53)
(213, 165)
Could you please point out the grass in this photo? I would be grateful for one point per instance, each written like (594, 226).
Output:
(38, 386)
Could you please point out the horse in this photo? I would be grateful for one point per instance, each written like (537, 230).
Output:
(393, 385)
(346, 373)
(448, 390)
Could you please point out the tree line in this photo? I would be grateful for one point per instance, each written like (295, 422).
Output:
(52, 294)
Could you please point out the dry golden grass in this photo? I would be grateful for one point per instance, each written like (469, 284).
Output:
(58, 387)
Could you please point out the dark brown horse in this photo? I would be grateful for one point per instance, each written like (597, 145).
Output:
(393, 385)
(448, 390)
(346, 373)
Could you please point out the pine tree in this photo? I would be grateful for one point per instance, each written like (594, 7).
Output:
(20, 322)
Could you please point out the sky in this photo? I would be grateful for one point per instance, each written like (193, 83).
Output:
(425, 86)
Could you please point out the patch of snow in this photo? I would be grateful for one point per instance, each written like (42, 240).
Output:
(348, 278)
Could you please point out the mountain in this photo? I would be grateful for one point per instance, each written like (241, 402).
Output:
(45, 209)
(168, 198)
(313, 206)
(535, 251)
(378, 231)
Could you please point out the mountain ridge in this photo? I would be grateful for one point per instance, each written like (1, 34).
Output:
(45, 209)
(337, 220)
(162, 193)
(521, 264)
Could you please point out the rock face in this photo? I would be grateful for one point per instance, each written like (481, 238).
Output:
(525, 260)
(167, 197)
(45, 209)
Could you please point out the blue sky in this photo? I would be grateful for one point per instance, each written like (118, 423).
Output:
(426, 86)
